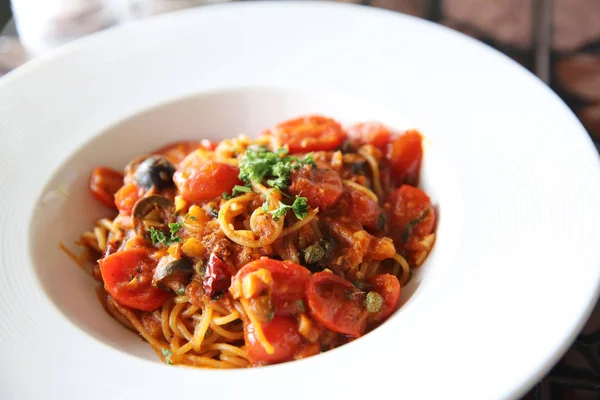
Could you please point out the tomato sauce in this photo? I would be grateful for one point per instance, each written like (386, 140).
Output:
(295, 243)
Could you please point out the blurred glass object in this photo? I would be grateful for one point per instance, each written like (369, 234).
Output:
(44, 25)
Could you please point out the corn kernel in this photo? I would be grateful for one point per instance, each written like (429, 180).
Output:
(175, 250)
(180, 203)
(193, 248)
(256, 282)
(197, 215)
(307, 329)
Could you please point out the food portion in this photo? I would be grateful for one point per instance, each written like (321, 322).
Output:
(258, 251)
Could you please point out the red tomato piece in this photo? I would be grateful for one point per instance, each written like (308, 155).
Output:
(289, 283)
(104, 183)
(322, 187)
(389, 288)
(127, 277)
(177, 151)
(411, 212)
(362, 208)
(404, 155)
(217, 277)
(337, 304)
(310, 133)
(126, 198)
(199, 179)
(370, 133)
(282, 333)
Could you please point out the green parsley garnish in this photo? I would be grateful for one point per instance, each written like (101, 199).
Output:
(274, 166)
(237, 189)
(299, 207)
(175, 227)
(159, 237)
(167, 355)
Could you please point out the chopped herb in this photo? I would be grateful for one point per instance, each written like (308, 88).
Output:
(175, 227)
(409, 228)
(260, 163)
(159, 237)
(265, 206)
(381, 221)
(301, 306)
(208, 333)
(237, 189)
(192, 218)
(180, 291)
(299, 207)
(309, 159)
(281, 211)
(373, 302)
(167, 355)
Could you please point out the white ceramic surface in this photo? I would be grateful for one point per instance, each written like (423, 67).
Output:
(512, 278)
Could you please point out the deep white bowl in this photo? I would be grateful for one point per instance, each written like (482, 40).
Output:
(512, 277)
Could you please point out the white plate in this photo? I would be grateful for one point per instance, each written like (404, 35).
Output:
(512, 278)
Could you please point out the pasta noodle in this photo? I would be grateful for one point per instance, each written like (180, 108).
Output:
(230, 255)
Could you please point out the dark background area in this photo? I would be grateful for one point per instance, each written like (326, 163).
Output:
(5, 13)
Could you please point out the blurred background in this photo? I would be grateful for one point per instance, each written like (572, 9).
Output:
(558, 40)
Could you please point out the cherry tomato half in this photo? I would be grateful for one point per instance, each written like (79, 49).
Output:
(177, 151)
(411, 212)
(370, 133)
(126, 197)
(362, 208)
(322, 187)
(282, 333)
(104, 183)
(127, 277)
(198, 179)
(289, 283)
(404, 155)
(310, 133)
(337, 304)
(389, 288)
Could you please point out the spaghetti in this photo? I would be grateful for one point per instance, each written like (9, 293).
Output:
(258, 251)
